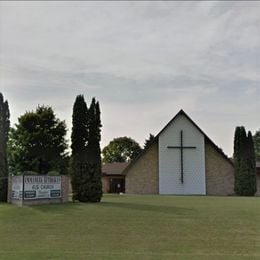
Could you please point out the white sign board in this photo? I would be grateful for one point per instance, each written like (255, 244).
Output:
(17, 187)
(42, 187)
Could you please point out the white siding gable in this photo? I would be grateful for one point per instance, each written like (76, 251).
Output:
(170, 159)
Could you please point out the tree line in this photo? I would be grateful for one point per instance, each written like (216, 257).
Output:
(37, 144)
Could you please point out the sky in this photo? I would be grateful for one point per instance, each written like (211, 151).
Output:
(143, 61)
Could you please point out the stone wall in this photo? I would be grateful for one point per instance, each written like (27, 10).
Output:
(142, 176)
(219, 172)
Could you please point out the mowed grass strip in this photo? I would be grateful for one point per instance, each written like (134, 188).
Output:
(134, 227)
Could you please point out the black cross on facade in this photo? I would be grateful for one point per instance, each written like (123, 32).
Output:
(181, 147)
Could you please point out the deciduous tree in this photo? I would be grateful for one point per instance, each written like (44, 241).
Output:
(37, 143)
(121, 149)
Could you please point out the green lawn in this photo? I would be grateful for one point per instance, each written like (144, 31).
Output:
(134, 227)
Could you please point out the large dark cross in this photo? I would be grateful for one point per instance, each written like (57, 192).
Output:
(181, 147)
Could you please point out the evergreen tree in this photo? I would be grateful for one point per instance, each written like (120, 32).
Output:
(94, 186)
(256, 139)
(96, 180)
(148, 141)
(86, 159)
(251, 166)
(237, 158)
(244, 159)
(79, 139)
(4, 131)
(241, 167)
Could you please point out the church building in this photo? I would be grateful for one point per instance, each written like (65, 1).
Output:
(183, 160)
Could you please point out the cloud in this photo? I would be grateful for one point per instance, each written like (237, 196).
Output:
(142, 60)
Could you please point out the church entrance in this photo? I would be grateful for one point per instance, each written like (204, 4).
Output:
(117, 185)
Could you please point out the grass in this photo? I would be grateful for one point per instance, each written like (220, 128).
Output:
(134, 227)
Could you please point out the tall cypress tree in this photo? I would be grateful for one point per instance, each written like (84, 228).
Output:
(94, 151)
(91, 181)
(236, 155)
(244, 159)
(79, 139)
(256, 139)
(251, 166)
(237, 158)
(148, 141)
(4, 130)
(86, 158)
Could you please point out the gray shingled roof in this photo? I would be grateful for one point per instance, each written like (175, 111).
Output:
(116, 168)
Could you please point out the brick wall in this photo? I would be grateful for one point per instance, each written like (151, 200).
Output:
(142, 177)
(105, 184)
(219, 172)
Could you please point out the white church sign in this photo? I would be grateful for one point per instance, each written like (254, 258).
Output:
(38, 189)
(42, 187)
(31, 187)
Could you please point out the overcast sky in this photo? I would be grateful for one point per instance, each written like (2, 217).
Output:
(144, 61)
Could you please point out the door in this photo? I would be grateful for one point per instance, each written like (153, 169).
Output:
(117, 185)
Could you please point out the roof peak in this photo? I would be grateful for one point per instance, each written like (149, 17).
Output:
(181, 112)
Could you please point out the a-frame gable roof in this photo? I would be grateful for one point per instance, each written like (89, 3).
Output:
(181, 112)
